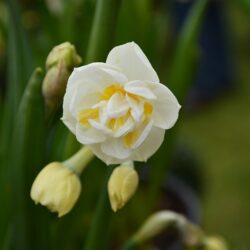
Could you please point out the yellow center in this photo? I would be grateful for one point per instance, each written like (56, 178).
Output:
(87, 114)
(115, 123)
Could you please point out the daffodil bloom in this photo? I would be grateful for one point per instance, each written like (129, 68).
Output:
(119, 108)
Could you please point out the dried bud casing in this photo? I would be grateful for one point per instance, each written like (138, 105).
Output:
(122, 185)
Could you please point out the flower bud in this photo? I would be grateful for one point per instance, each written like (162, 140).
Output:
(60, 63)
(214, 243)
(54, 86)
(56, 187)
(65, 53)
(122, 185)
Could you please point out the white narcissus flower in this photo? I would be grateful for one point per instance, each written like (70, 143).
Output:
(119, 108)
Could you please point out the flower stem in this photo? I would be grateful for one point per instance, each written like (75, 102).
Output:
(79, 161)
(98, 230)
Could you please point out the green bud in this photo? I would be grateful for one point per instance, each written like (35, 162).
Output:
(65, 53)
(60, 63)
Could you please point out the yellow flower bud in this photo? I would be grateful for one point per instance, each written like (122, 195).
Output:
(65, 53)
(215, 243)
(122, 185)
(56, 187)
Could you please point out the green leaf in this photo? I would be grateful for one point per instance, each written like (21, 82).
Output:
(19, 68)
(181, 75)
(104, 24)
(186, 56)
(26, 157)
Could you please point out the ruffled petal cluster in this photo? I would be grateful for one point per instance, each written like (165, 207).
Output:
(119, 108)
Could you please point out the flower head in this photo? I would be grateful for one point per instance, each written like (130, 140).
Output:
(119, 108)
(56, 187)
(122, 185)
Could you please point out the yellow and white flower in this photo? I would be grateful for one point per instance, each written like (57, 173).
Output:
(119, 108)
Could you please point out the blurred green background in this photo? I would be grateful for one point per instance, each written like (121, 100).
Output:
(217, 131)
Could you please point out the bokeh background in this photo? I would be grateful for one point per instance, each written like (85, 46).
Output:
(214, 129)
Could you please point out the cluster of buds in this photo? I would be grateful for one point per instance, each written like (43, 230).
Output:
(58, 186)
(59, 65)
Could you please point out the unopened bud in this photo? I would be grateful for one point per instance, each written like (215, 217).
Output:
(65, 53)
(60, 63)
(56, 187)
(122, 185)
(214, 243)
(54, 85)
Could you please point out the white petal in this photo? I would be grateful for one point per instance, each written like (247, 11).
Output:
(89, 135)
(70, 122)
(99, 126)
(140, 88)
(103, 116)
(132, 62)
(144, 130)
(117, 75)
(114, 147)
(126, 128)
(165, 107)
(150, 145)
(137, 108)
(96, 148)
(117, 106)
(86, 84)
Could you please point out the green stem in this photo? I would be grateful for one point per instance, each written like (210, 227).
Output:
(79, 161)
(98, 230)
(101, 37)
